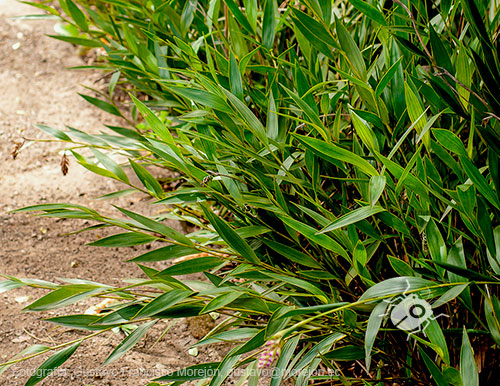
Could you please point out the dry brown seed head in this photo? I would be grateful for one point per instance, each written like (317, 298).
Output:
(15, 150)
(64, 164)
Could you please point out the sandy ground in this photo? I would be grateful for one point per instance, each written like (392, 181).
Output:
(37, 87)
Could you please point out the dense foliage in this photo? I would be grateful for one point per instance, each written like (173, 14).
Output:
(335, 157)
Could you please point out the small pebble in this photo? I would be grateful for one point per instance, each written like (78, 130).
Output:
(22, 299)
(193, 352)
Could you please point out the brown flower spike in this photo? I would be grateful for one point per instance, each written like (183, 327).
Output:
(15, 150)
(64, 164)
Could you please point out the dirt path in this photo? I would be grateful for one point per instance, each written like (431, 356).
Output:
(37, 88)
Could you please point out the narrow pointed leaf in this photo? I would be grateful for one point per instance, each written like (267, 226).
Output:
(352, 217)
(468, 368)
(47, 367)
(236, 242)
(129, 342)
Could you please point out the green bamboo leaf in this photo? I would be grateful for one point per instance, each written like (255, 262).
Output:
(496, 238)
(480, 182)
(468, 368)
(239, 16)
(78, 41)
(43, 7)
(221, 301)
(129, 342)
(103, 105)
(111, 165)
(93, 168)
(269, 23)
(312, 234)
(466, 274)
(369, 10)
(202, 97)
(272, 119)
(313, 309)
(364, 132)
(241, 333)
(309, 112)
(248, 116)
(188, 14)
(437, 246)
(191, 373)
(450, 141)
(157, 226)
(277, 322)
(351, 49)
(163, 302)
(456, 257)
(346, 353)
(165, 253)
(401, 267)
(307, 372)
(415, 110)
(435, 334)
(311, 288)
(374, 322)
(77, 15)
(80, 322)
(230, 183)
(235, 77)
(396, 286)
(105, 173)
(394, 222)
(292, 254)
(464, 75)
(51, 207)
(54, 132)
(236, 242)
(251, 8)
(126, 239)
(320, 348)
(439, 51)
(284, 359)
(225, 368)
(255, 342)
(130, 40)
(196, 265)
(324, 150)
(492, 315)
(149, 182)
(7, 285)
(307, 41)
(84, 137)
(313, 29)
(154, 122)
(376, 188)
(412, 48)
(449, 295)
(64, 296)
(120, 315)
(437, 376)
(34, 349)
(352, 218)
(47, 367)
(387, 77)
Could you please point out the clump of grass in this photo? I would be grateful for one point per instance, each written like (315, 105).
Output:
(339, 161)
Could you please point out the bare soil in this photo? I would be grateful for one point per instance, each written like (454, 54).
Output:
(38, 87)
